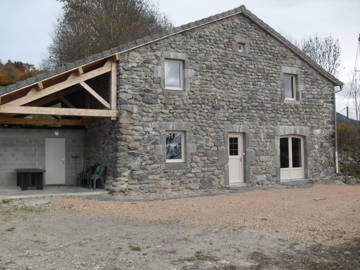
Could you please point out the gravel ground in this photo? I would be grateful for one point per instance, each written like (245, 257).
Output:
(253, 230)
(326, 214)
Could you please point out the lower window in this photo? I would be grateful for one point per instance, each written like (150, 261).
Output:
(292, 157)
(175, 146)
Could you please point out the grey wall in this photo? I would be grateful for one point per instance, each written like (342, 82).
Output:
(225, 91)
(25, 148)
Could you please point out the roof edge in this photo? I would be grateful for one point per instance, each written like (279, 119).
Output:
(157, 37)
(291, 46)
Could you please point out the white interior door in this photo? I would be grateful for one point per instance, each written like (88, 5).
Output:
(55, 161)
(291, 158)
(236, 158)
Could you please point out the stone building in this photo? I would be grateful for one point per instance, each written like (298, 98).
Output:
(222, 101)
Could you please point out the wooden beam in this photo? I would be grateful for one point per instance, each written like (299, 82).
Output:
(57, 111)
(95, 95)
(52, 97)
(113, 86)
(32, 91)
(63, 73)
(40, 86)
(73, 80)
(80, 70)
(44, 122)
(67, 102)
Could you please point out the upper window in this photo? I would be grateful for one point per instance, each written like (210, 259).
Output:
(174, 74)
(175, 147)
(241, 47)
(290, 84)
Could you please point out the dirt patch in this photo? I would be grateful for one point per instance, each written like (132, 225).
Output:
(88, 234)
(326, 214)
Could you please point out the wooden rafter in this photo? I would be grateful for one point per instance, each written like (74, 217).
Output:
(72, 80)
(44, 93)
(40, 86)
(53, 97)
(113, 85)
(44, 122)
(57, 111)
(66, 102)
(95, 95)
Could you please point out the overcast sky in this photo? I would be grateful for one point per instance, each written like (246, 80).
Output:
(26, 26)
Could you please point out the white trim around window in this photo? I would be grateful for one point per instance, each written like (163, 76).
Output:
(292, 158)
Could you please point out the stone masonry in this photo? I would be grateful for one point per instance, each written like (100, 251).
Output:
(225, 91)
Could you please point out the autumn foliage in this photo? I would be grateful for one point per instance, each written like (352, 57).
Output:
(12, 72)
(348, 137)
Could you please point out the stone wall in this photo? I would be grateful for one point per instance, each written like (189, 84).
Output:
(100, 145)
(226, 91)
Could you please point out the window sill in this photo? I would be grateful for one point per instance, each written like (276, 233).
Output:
(174, 92)
(175, 165)
(291, 101)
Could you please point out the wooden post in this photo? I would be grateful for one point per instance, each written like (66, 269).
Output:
(113, 87)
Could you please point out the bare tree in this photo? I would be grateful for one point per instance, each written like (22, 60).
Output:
(324, 51)
(354, 89)
(92, 26)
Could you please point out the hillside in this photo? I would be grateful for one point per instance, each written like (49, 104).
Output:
(12, 72)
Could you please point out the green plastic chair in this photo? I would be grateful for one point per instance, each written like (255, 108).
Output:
(99, 175)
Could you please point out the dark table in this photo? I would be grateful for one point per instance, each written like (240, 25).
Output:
(33, 178)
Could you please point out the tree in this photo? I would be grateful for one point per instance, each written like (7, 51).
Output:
(324, 51)
(12, 72)
(92, 26)
(354, 90)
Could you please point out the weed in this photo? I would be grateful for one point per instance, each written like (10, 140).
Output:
(135, 248)
(5, 201)
(200, 256)
(293, 245)
(11, 229)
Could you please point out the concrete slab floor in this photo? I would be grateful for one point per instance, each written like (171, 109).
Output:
(10, 192)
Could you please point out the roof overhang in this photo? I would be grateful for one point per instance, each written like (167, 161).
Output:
(34, 99)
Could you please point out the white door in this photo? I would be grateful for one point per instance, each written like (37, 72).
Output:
(236, 162)
(291, 158)
(55, 161)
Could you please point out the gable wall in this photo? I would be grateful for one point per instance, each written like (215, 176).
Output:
(228, 92)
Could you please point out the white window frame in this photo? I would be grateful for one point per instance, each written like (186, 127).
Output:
(290, 138)
(182, 160)
(293, 173)
(293, 84)
(182, 78)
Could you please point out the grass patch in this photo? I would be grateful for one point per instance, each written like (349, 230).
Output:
(351, 170)
(200, 256)
(5, 201)
(11, 229)
(293, 245)
(135, 248)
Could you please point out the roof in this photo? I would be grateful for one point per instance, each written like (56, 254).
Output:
(156, 37)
